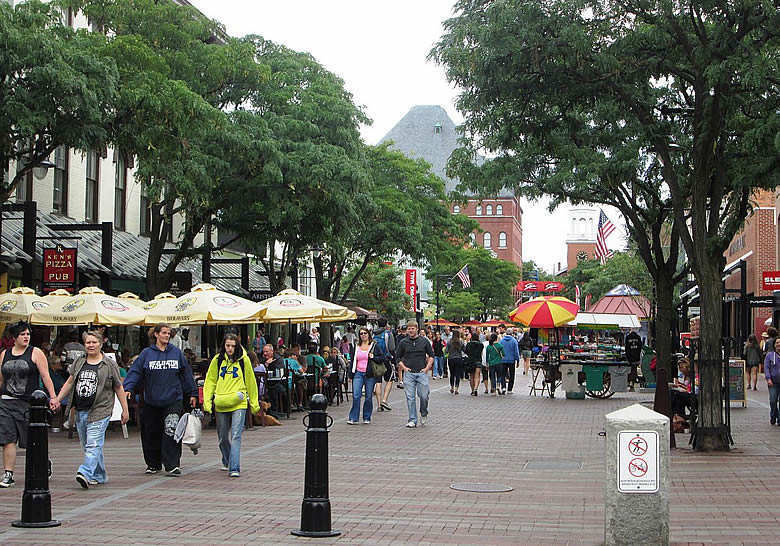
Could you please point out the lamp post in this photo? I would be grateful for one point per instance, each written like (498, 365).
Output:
(449, 286)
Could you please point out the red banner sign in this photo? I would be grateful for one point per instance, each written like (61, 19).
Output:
(771, 280)
(539, 286)
(59, 269)
(411, 287)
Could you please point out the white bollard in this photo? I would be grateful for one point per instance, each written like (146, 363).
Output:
(636, 495)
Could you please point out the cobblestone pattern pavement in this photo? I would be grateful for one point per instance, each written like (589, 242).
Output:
(391, 485)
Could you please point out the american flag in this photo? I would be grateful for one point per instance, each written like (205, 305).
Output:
(463, 275)
(605, 230)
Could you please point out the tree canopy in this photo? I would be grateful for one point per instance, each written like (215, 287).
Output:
(670, 105)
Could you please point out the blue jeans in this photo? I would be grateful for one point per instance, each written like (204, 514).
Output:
(497, 377)
(774, 395)
(230, 426)
(358, 382)
(438, 366)
(416, 383)
(92, 437)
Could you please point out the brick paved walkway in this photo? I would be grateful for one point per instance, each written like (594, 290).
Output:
(389, 484)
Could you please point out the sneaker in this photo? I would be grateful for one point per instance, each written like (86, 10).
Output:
(150, 470)
(400, 385)
(509, 392)
(411, 424)
(486, 391)
(82, 481)
(174, 472)
(501, 393)
(367, 422)
(351, 422)
(423, 419)
(224, 468)
(386, 406)
(235, 474)
(8, 479)
(93, 482)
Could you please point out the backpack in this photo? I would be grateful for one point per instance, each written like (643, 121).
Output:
(382, 355)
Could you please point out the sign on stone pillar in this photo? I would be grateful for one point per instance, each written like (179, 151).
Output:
(637, 481)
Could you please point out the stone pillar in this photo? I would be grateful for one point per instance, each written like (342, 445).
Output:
(636, 495)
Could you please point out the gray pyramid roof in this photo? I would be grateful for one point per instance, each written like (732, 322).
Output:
(416, 136)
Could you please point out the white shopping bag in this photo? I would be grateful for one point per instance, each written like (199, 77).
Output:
(188, 430)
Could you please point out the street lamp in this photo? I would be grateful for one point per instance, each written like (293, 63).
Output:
(449, 286)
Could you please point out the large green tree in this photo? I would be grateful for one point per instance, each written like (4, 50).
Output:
(403, 211)
(492, 279)
(689, 86)
(56, 88)
(179, 76)
(380, 288)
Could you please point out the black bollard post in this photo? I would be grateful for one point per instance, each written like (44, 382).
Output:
(36, 499)
(315, 509)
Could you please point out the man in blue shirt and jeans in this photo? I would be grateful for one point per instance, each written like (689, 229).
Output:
(415, 359)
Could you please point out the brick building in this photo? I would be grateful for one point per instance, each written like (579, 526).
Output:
(756, 246)
(429, 133)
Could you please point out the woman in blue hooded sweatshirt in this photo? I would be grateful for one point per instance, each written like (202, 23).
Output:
(165, 375)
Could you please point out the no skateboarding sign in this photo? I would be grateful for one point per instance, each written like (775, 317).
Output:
(638, 462)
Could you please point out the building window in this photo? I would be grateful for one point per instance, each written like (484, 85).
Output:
(473, 237)
(489, 210)
(60, 195)
(499, 210)
(456, 209)
(304, 281)
(502, 240)
(437, 129)
(479, 210)
(486, 239)
(145, 219)
(93, 172)
(120, 187)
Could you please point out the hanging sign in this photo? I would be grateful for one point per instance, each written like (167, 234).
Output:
(59, 269)
(410, 285)
(771, 280)
(539, 286)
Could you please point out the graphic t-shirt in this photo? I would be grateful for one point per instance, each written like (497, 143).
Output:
(86, 387)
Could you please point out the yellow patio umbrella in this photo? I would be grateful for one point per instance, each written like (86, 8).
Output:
(204, 304)
(545, 312)
(293, 307)
(19, 304)
(90, 306)
(132, 299)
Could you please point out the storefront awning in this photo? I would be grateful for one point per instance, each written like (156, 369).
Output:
(604, 321)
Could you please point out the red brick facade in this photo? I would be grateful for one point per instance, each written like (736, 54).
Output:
(573, 249)
(509, 222)
(758, 241)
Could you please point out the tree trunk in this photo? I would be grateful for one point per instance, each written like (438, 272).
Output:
(664, 293)
(711, 434)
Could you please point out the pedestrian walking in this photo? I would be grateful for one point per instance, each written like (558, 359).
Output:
(438, 356)
(495, 360)
(165, 375)
(415, 359)
(230, 384)
(95, 382)
(526, 346)
(752, 360)
(473, 360)
(455, 358)
(363, 378)
(24, 367)
(772, 374)
(511, 358)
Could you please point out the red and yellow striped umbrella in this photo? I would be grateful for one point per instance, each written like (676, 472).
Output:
(545, 312)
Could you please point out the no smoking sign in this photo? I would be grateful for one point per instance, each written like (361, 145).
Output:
(637, 462)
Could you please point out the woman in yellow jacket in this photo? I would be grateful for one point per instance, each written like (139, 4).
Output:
(230, 382)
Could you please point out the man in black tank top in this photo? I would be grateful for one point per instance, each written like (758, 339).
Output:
(23, 367)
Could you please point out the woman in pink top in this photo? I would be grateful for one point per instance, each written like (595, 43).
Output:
(363, 377)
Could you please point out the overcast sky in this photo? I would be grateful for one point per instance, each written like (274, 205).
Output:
(379, 49)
